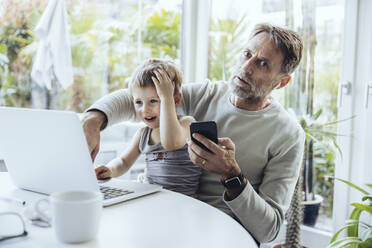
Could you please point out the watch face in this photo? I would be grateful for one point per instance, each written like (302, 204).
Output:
(233, 182)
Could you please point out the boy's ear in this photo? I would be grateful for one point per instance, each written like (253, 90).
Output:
(177, 98)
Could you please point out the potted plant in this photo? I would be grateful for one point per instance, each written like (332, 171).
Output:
(358, 233)
(318, 140)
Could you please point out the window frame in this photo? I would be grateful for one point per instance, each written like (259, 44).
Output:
(353, 165)
(194, 40)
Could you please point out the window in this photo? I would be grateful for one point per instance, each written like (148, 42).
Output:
(108, 40)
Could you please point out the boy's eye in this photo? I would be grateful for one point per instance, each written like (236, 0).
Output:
(138, 102)
(153, 100)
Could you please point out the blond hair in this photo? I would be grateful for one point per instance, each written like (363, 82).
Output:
(287, 41)
(141, 77)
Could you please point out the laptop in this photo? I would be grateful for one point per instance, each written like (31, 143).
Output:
(46, 151)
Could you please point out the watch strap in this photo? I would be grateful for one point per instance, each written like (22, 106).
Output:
(233, 182)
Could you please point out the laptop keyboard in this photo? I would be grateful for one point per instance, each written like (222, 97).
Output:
(111, 192)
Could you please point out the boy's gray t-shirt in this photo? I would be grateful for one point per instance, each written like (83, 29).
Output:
(171, 169)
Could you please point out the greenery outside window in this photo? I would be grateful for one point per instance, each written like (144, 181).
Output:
(108, 40)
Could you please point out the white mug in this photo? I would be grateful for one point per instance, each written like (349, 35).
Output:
(75, 214)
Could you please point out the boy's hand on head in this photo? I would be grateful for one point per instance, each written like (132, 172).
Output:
(163, 84)
(102, 172)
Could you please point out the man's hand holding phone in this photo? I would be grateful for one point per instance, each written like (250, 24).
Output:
(219, 155)
(206, 128)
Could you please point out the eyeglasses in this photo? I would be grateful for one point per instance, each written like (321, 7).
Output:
(12, 225)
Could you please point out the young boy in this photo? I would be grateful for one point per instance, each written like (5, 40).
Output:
(155, 91)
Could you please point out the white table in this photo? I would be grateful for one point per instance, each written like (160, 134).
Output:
(163, 219)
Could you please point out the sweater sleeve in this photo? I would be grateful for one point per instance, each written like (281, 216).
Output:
(262, 212)
(117, 106)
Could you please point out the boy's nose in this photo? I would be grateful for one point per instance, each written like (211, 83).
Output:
(147, 109)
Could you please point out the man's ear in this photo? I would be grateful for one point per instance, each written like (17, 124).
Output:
(177, 98)
(284, 80)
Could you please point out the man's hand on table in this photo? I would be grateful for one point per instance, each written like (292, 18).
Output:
(92, 122)
(221, 161)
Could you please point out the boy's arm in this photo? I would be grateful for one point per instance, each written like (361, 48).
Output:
(173, 132)
(122, 164)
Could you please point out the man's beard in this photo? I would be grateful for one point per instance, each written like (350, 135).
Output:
(255, 91)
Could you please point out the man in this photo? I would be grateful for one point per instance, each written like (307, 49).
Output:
(251, 173)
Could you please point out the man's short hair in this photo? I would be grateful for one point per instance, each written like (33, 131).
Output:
(141, 77)
(287, 41)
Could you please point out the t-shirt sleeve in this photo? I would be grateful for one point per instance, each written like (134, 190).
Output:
(262, 212)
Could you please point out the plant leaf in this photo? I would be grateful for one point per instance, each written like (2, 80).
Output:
(334, 237)
(317, 114)
(369, 185)
(359, 222)
(363, 207)
(339, 121)
(367, 243)
(353, 185)
(345, 242)
(352, 230)
(367, 197)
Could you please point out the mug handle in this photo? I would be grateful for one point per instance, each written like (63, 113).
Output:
(40, 212)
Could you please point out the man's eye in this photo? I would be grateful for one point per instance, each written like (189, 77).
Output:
(247, 54)
(153, 100)
(263, 64)
(138, 102)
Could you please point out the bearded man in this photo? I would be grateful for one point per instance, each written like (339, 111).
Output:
(252, 172)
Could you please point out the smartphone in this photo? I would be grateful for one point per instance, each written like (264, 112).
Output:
(206, 128)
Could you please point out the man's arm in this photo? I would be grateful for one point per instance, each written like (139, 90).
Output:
(269, 203)
(118, 106)
(108, 110)
(262, 212)
(93, 121)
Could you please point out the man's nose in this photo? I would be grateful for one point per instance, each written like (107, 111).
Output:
(248, 65)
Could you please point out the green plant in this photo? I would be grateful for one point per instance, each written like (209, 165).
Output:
(161, 33)
(16, 24)
(105, 48)
(358, 233)
(226, 40)
(320, 145)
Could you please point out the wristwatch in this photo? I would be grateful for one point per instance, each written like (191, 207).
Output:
(233, 182)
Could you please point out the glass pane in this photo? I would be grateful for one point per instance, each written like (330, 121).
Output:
(108, 40)
(314, 84)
